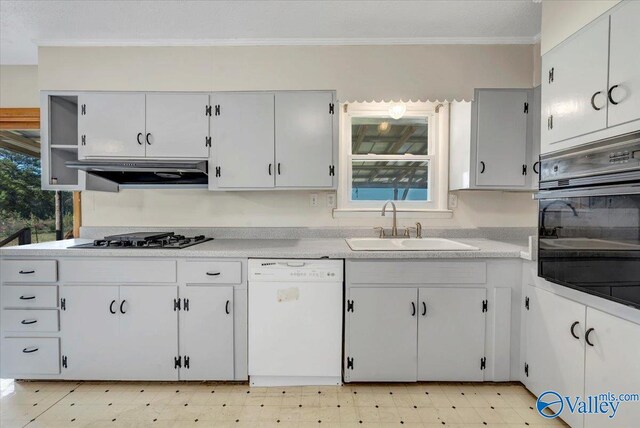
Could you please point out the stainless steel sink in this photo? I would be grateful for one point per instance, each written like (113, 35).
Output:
(405, 244)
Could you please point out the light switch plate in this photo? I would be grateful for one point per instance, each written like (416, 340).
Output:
(331, 200)
(313, 200)
(453, 200)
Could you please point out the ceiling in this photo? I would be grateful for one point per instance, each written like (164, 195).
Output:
(26, 24)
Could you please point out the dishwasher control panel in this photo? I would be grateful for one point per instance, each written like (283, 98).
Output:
(263, 270)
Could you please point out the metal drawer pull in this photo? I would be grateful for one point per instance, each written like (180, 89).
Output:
(147, 138)
(213, 273)
(483, 167)
(586, 336)
(27, 297)
(226, 307)
(30, 350)
(122, 307)
(27, 322)
(573, 326)
(111, 307)
(26, 272)
(424, 309)
(413, 309)
(593, 101)
(610, 93)
(138, 138)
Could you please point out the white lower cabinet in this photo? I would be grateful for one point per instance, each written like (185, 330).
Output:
(451, 334)
(207, 332)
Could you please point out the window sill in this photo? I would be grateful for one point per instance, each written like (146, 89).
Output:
(401, 213)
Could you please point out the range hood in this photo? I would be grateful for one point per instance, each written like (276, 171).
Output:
(146, 173)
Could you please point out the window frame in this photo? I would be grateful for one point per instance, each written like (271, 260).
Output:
(437, 156)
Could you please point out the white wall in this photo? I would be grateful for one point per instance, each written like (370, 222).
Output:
(19, 86)
(356, 72)
(562, 18)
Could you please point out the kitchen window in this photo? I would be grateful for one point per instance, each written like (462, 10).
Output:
(402, 159)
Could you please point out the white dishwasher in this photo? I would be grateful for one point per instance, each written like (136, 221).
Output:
(295, 322)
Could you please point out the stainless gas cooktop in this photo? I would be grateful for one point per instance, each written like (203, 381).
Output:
(165, 240)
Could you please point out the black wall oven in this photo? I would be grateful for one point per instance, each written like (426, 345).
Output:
(589, 219)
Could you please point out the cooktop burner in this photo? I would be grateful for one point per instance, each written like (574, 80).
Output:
(145, 240)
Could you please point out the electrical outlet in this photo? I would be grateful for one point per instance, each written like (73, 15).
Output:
(313, 201)
(331, 200)
(453, 200)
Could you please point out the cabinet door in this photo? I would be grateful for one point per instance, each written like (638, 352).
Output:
(113, 125)
(534, 162)
(451, 327)
(89, 330)
(501, 137)
(243, 141)
(624, 64)
(382, 335)
(206, 332)
(148, 332)
(177, 126)
(304, 139)
(612, 365)
(572, 74)
(555, 358)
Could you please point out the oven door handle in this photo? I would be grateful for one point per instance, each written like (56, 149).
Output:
(577, 192)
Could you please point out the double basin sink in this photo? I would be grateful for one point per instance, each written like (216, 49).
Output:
(407, 244)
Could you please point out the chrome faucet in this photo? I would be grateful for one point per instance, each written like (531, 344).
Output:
(394, 228)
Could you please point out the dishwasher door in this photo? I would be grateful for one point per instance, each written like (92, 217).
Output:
(295, 326)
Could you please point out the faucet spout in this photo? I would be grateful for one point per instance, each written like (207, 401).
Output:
(394, 228)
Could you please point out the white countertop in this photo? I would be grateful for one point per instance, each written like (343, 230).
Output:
(335, 248)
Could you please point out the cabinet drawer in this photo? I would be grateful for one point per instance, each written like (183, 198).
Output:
(24, 320)
(204, 272)
(30, 356)
(29, 271)
(30, 296)
(124, 271)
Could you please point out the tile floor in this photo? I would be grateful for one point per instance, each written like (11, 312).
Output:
(144, 404)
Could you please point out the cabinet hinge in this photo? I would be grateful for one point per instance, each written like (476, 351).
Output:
(83, 109)
(63, 304)
(207, 141)
(176, 304)
(483, 363)
(485, 305)
(185, 304)
(526, 369)
(64, 361)
(349, 305)
(526, 302)
(177, 362)
(186, 362)
(526, 107)
(217, 171)
(332, 170)
(207, 110)
(331, 108)
(350, 363)
(83, 140)
(551, 75)
(524, 169)
(217, 110)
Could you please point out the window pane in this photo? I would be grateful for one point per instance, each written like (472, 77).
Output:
(395, 180)
(382, 135)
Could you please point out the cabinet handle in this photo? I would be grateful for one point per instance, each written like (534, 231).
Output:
(424, 309)
(146, 138)
(524, 169)
(226, 307)
(30, 350)
(27, 322)
(27, 297)
(573, 326)
(586, 336)
(278, 168)
(593, 101)
(111, 307)
(537, 171)
(122, 307)
(413, 309)
(609, 94)
(138, 138)
(270, 165)
(26, 272)
(483, 167)
(213, 273)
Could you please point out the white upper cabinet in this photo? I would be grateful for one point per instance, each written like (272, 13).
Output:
(491, 140)
(242, 130)
(304, 132)
(591, 82)
(111, 125)
(177, 125)
(624, 64)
